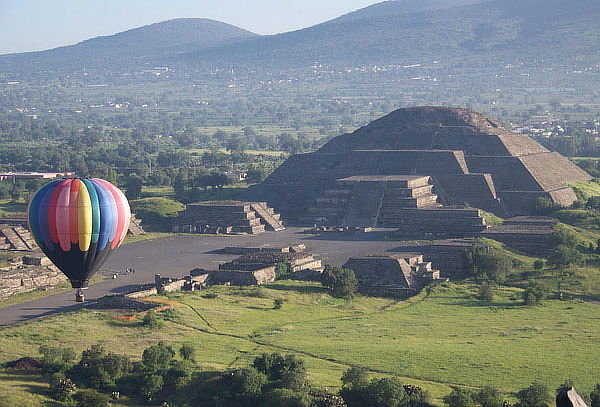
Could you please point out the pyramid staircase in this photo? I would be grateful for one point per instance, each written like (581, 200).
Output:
(224, 217)
(16, 238)
(271, 219)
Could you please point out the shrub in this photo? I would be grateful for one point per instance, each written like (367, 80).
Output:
(91, 398)
(278, 303)
(485, 292)
(460, 398)
(187, 352)
(56, 359)
(564, 256)
(62, 388)
(595, 396)
(99, 369)
(157, 356)
(286, 398)
(282, 270)
(481, 261)
(489, 397)
(341, 282)
(538, 265)
(536, 395)
(563, 237)
(533, 294)
(247, 382)
(151, 320)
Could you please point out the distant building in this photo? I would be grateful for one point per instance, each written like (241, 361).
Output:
(34, 175)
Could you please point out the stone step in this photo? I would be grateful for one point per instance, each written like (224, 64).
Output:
(270, 222)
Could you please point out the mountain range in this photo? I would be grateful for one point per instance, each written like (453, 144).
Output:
(559, 32)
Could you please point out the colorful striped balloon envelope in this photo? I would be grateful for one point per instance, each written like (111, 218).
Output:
(77, 223)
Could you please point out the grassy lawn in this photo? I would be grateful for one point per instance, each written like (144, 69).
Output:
(9, 207)
(437, 339)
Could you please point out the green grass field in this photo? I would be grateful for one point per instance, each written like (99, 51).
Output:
(437, 339)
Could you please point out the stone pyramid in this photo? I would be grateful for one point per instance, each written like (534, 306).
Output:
(470, 158)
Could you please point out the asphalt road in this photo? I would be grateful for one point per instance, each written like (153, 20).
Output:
(176, 256)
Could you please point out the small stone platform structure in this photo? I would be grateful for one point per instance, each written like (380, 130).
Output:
(236, 277)
(241, 250)
(444, 255)
(16, 239)
(260, 260)
(407, 202)
(21, 279)
(227, 217)
(529, 234)
(399, 275)
(468, 157)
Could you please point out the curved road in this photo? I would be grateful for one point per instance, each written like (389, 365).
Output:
(176, 256)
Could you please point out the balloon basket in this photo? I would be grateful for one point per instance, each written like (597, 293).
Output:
(79, 297)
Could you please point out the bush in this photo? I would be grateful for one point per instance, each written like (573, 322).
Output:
(99, 369)
(56, 359)
(386, 392)
(187, 352)
(151, 320)
(538, 265)
(489, 397)
(563, 237)
(62, 388)
(91, 398)
(460, 398)
(157, 357)
(536, 395)
(282, 270)
(563, 256)
(483, 262)
(286, 398)
(278, 303)
(247, 382)
(486, 293)
(533, 294)
(595, 397)
(341, 282)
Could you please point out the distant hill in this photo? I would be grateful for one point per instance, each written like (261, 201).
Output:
(159, 39)
(553, 30)
(544, 33)
(397, 7)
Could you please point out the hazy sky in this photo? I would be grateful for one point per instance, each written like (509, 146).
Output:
(31, 25)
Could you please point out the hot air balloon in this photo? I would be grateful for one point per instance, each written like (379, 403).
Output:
(78, 223)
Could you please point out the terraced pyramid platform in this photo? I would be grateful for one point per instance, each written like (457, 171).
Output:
(468, 158)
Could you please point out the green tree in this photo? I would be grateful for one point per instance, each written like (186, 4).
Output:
(151, 320)
(157, 356)
(341, 282)
(533, 294)
(562, 236)
(489, 397)
(486, 292)
(92, 398)
(282, 270)
(355, 381)
(286, 398)
(55, 359)
(595, 396)
(386, 392)
(133, 186)
(460, 398)
(187, 352)
(247, 383)
(536, 395)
